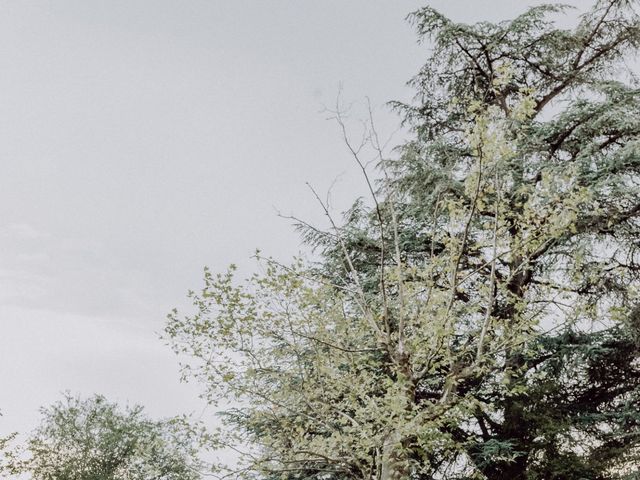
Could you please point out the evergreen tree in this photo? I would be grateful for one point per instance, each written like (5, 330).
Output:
(481, 319)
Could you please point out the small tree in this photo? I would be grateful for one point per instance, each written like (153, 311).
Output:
(93, 439)
(479, 320)
(6, 454)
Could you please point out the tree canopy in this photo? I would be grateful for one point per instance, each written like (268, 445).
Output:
(94, 439)
(478, 317)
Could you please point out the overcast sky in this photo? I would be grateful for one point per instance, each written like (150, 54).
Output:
(142, 140)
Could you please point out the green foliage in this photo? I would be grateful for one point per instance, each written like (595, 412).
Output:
(95, 440)
(6, 454)
(480, 319)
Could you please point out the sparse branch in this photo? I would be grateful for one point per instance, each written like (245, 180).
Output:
(363, 304)
(391, 203)
(492, 275)
(355, 153)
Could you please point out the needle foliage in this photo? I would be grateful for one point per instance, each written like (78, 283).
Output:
(478, 317)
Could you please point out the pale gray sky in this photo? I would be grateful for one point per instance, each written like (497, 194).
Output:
(142, 140)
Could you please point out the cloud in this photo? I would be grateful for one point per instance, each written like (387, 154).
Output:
(65, 274)
(45, 353)
(23, 231)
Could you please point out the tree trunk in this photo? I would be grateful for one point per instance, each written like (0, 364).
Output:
(394, 458)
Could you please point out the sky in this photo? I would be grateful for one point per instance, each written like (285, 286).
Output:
(142, 140)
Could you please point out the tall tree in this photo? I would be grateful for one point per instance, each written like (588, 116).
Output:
(480, 319)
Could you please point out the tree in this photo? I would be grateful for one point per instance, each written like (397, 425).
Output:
(94, 439)
(6, 457)
(480, 318)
